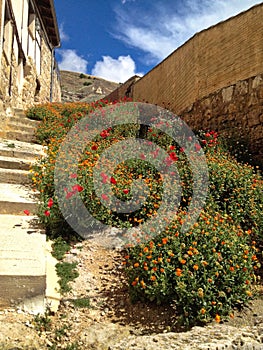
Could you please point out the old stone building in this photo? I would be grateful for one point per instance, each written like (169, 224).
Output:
(28, 37)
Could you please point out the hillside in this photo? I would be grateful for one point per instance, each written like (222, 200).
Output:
(84, 87)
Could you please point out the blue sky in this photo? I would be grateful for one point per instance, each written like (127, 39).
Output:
(116, 39)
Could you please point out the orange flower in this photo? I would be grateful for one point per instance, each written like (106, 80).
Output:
(232, 268)
(164, 240)
(153, 278)
(203, 311)
(205, 263)
(213, 302)
(145, 249)
(136, 265)
(143, 284)
(183, 261)
(178, 272)
(217, 318)
(196, 267)
(162, 270)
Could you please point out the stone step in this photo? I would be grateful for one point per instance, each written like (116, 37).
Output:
(22, 263)
(19, 136)
(28, 276)
(14, 199)
(14, 176)
(18, 149)
(23, 120)
(19, 126)
(14, 163)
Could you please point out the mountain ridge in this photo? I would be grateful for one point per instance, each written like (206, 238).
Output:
(80, 87)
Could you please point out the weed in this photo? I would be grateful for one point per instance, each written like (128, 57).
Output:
(42, 322)
(11, 145)
(81, 302)
(66, 272)
(60, 247)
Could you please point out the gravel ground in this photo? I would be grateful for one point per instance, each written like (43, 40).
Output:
(112, 322)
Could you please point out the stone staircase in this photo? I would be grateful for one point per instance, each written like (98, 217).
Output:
(27, 269)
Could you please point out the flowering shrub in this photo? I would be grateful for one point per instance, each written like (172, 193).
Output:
(209, 269)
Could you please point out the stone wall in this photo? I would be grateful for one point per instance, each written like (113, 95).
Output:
(36, 88)
(26, 67)
(235, 111)
(123, 90)
(214, 58)
(214, 80)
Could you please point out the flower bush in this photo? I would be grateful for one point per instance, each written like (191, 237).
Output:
(207, 271)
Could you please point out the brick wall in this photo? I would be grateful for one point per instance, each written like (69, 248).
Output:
(214, 80)
(212, 59)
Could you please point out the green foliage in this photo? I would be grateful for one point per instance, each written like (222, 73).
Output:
(208, 270)
(66, 272)
(87, 83)
(81, 76)
(81, 302)
(59, 248)
(43, 323)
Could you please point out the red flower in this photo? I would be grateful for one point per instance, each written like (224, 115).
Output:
(69, 194)
(47, 213)
(126, 191)
(104, 134)
(172, 148)
(168, 161)
(113, 181)
(77, 188)
(27, 212)
(105, 197)
(50, 202)
(197, 147)
(73, 176)
(173, 156)
(94, 148)
(104, 177)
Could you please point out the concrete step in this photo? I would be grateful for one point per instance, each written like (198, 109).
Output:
(18, 149)
(19, 126)
(14, 176)
(20, 136)
(28, 276)
(14, 163)
(22, 120)
(14, 199)
(22, 263)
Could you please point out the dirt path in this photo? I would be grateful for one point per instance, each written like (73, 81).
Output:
(110, 318)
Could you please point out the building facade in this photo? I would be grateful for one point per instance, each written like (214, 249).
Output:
(28, 38)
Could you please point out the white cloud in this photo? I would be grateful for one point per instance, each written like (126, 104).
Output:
(62, 33)
(71, 61)
(167, 25)
(118, 70)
